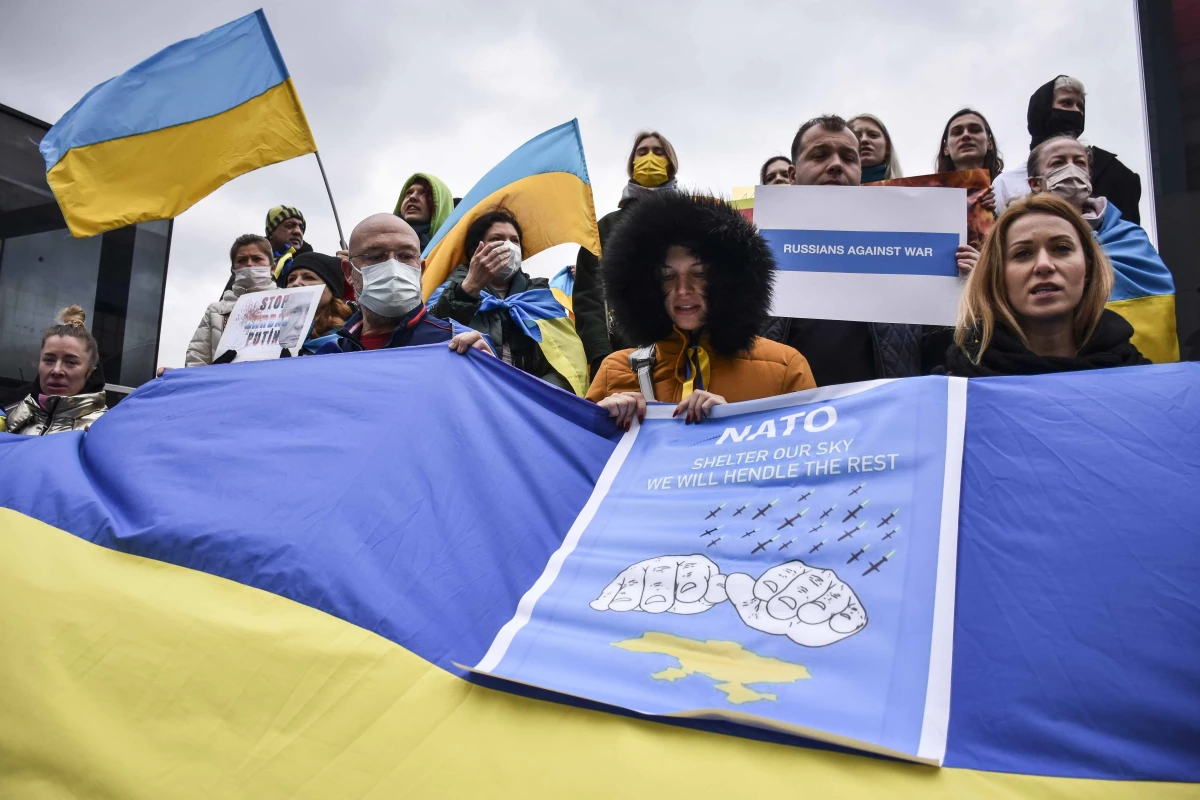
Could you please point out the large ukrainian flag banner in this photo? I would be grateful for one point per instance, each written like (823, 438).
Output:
(150, 143)
(544, 184)
(200, 600)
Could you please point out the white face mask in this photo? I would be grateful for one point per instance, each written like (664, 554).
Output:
(1070, 182)
(390, 289)
(514, 263)
(253, 279)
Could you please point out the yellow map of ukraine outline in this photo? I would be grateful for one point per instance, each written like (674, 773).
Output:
(728, 663)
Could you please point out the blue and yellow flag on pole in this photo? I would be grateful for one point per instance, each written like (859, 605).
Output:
(544, 184)
(150, 143)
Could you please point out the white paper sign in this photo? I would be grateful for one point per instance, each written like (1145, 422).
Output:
(262, 323)
(866, 253)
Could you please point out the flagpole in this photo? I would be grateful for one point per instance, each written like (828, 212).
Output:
(338, 222)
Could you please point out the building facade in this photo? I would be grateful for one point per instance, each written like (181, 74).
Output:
(117, 277)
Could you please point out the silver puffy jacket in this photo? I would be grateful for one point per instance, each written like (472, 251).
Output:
(73, 413)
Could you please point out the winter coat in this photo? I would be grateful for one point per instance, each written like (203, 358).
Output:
(848, 352)
(60, 414)
(1118, 183)
(766, 369)
(511, 343)
(1005, 355)
(417, 327)
(739, 274)
(203, 347)
(591, 312)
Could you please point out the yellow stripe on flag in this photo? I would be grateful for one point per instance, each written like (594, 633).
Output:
(1153, 321)
(552, 207)
(123, 677)
(563, 350)
(160, 174)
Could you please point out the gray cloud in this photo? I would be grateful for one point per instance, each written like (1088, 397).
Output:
(453, 87)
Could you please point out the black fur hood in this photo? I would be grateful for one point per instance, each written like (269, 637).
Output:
(740, 268)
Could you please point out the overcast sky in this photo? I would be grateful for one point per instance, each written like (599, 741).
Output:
(391, 88)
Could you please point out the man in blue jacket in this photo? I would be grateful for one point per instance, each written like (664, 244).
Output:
(385, 268)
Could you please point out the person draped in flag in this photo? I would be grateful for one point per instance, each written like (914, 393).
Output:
(477, 291)
(689, 281)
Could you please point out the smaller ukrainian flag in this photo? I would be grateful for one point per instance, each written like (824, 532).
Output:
(544, 184)
(152, 142)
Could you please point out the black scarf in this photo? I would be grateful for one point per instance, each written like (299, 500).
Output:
(1045, 121)
(1005, 355)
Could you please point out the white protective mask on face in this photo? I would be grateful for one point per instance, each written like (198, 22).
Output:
(390, 289)
(253, 279)
(1071, 182)
(514, 263)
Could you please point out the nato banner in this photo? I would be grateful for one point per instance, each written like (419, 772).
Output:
(789, 565)
(872, 254)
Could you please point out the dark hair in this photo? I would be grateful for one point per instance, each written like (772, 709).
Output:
(1035, 155)
(830, 122)
(479, 228)
(261, 242)
(72, 326)
(993, 162)
(762, 171)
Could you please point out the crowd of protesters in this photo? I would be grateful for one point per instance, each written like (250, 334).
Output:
(677, 309)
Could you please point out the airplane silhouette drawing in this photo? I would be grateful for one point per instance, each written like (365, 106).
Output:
(805, 496)
(787, 544)
(857, 553)
(888, 535)
(877, 564)
(854, 513)
(711, 531)
(852, 531)
(790, 521)
(817, 528)
(715, 511)
(740, 510)
(714, 541)
(827, 511)
(749, 533)
(856, 489)
(763, 545)
(888, 518)
(765, 509)
(817, 546)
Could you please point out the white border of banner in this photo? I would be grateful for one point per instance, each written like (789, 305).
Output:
(935, 722)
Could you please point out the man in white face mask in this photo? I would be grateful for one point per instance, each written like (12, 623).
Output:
(251, 262)
(385, 267)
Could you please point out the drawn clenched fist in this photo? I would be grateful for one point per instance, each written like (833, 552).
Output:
(810, 606)
(678, 584)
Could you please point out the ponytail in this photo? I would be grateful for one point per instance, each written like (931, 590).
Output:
(71, 323)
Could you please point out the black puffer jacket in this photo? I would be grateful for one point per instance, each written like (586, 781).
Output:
(1005, 355)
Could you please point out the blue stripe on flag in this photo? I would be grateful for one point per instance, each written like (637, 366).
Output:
(874, 252)
(187, 81)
